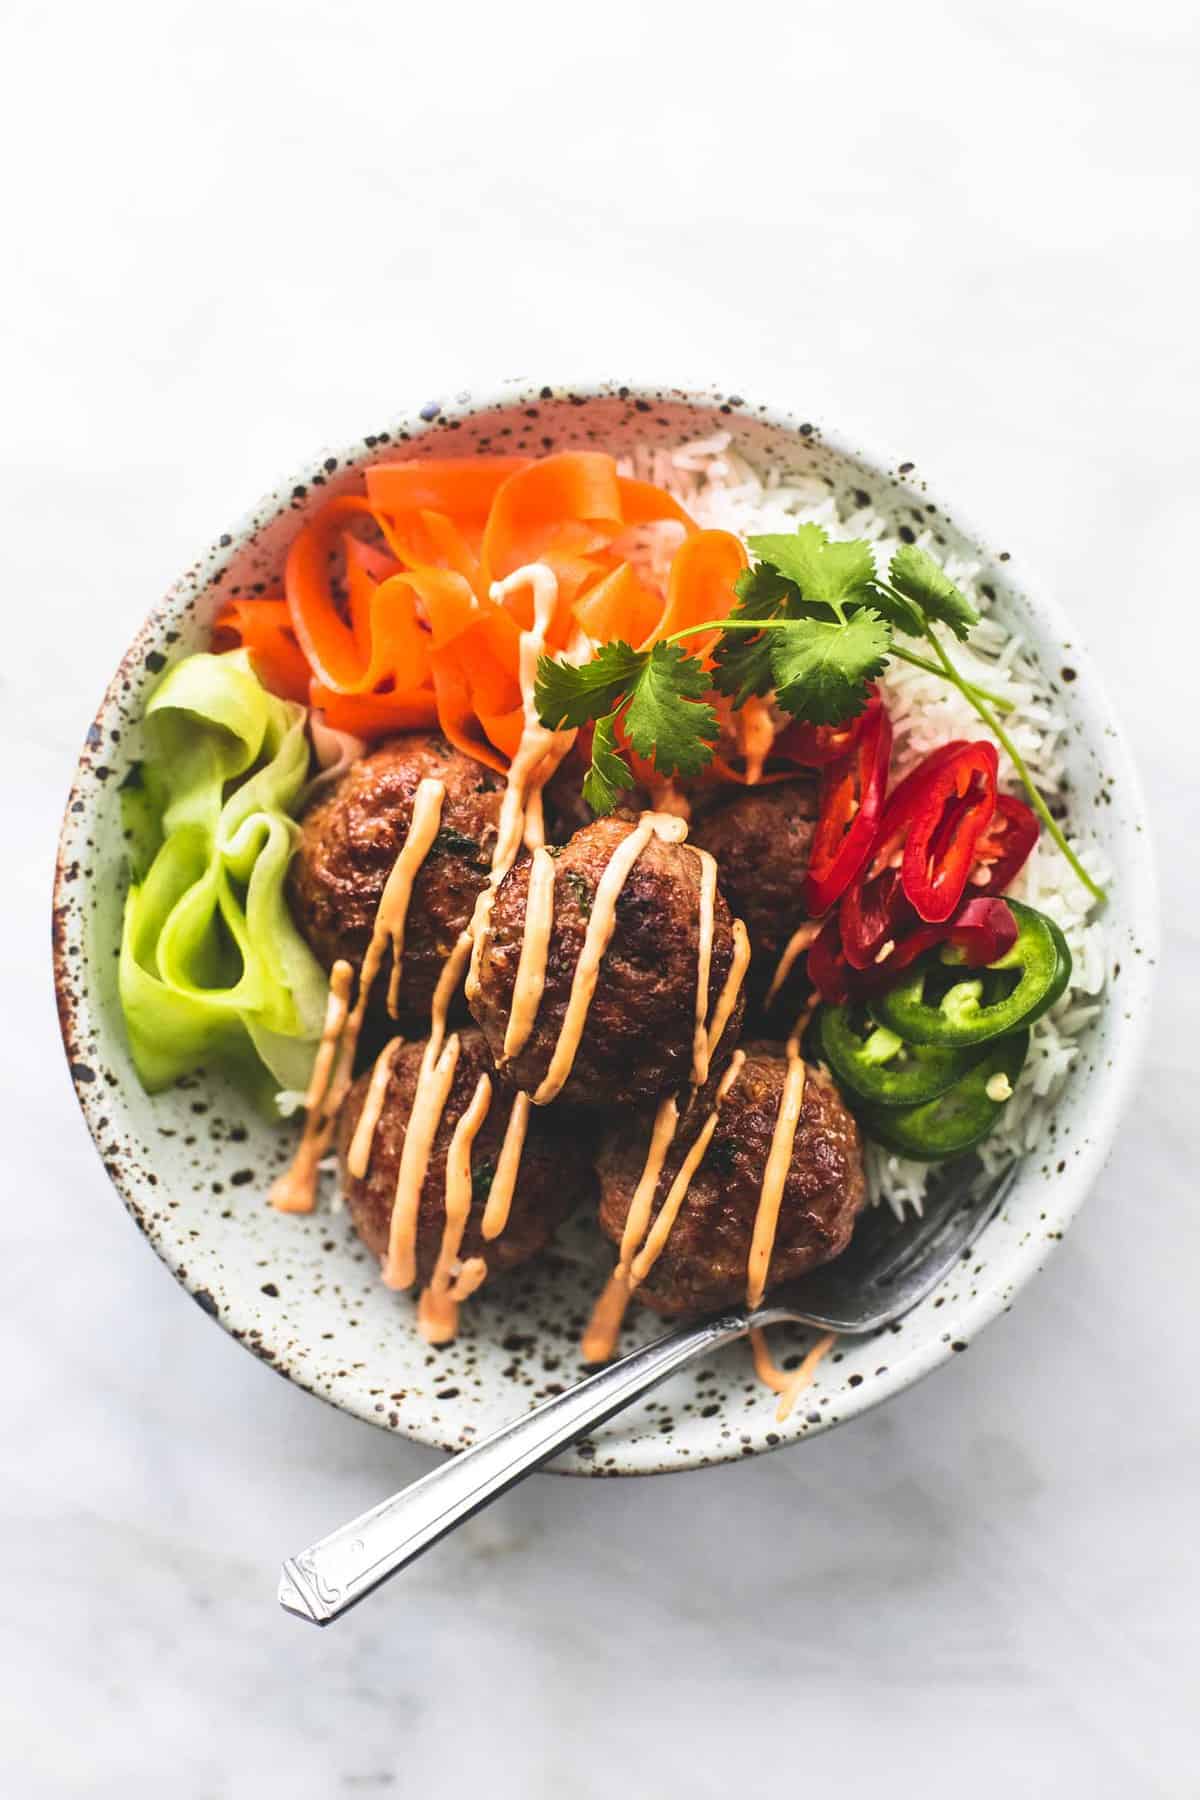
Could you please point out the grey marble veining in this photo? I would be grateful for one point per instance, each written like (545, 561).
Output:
(975, 230)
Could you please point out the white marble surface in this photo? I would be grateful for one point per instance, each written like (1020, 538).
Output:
(234, 232)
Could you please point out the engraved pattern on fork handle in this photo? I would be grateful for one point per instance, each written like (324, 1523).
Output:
(333, 1574)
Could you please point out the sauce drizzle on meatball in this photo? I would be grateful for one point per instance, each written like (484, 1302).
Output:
(359, 1154)
(333, 1071)
(634, 1263)
(437, 1312)
(801, 940)
(701, 1039)
(637, 1257)
(295, 1190)
(538, 754)
(601, 925)
(535, 946)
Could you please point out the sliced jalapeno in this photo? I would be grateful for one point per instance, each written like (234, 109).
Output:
(879, 1066)
(957, 1119)
(936, 1002)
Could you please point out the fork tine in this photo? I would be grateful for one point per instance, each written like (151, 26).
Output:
(864, 1294)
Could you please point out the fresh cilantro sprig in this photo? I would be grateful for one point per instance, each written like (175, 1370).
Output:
(814, 624)
(656, 694)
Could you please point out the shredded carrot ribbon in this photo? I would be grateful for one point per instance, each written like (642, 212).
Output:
(387, 622)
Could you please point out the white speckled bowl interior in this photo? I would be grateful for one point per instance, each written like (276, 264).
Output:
(193, 1165)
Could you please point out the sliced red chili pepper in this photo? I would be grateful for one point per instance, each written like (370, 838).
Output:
(1005, 846)
(874, 908)
(827, 967)
(851, 804)
(954, 806)
(816, 746)
(982, 929)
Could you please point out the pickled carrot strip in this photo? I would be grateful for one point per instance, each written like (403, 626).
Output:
(619, 605)
(402, 632)
(265, 628)
(462, 487)
(700, 585)
(325, 638)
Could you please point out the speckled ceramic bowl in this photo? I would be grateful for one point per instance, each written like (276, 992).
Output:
(193, 1165)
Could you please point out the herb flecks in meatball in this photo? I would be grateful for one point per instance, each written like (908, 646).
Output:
(349, 841)
(761, 838)
(703, 1265)
(637, 1038)
(555, 1174)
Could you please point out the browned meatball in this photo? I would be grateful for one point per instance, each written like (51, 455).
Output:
(637, 1038)
(703, 1265)
(556, 1174)
(350, 839)
(761, 837)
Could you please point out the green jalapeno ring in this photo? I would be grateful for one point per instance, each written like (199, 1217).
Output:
(877, 1066)
(958, 1119)
(966, 1015)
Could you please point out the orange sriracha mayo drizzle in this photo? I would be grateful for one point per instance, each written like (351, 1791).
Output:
(801, 940)
(787, 1385)
(640, 1250)
(701, 1041)
(728, 997)
(359, 1154)
(437, 1312)
(779, 1161)
(434, 1082)
(537, 755)
(600, 1336)
(601, 924)
(508, 1163)
(530, 979)
(295, 1191)
(333, 1067)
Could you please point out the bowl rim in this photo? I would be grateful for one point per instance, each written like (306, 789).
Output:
(845, 440)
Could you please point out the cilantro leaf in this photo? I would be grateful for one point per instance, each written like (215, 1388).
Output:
(742, 659)
(916, 576)
(609, 774)
(824, 571)
(900, 613)
(821, 670)
(667, 718)
(567, 695)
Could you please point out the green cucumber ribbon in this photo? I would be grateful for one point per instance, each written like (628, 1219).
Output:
(212, 969)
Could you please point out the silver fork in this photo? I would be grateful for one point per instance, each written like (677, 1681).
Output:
(888, 1269)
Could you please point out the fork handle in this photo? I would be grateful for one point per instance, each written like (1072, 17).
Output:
(331, 1576)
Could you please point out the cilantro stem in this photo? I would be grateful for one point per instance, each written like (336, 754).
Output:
(972, 696)
(969, 688)
(909, 656)
(979, 699)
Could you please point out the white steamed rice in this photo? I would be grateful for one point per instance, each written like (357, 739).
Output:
(721, 489)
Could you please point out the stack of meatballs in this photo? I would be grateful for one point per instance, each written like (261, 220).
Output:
(588, 1148)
